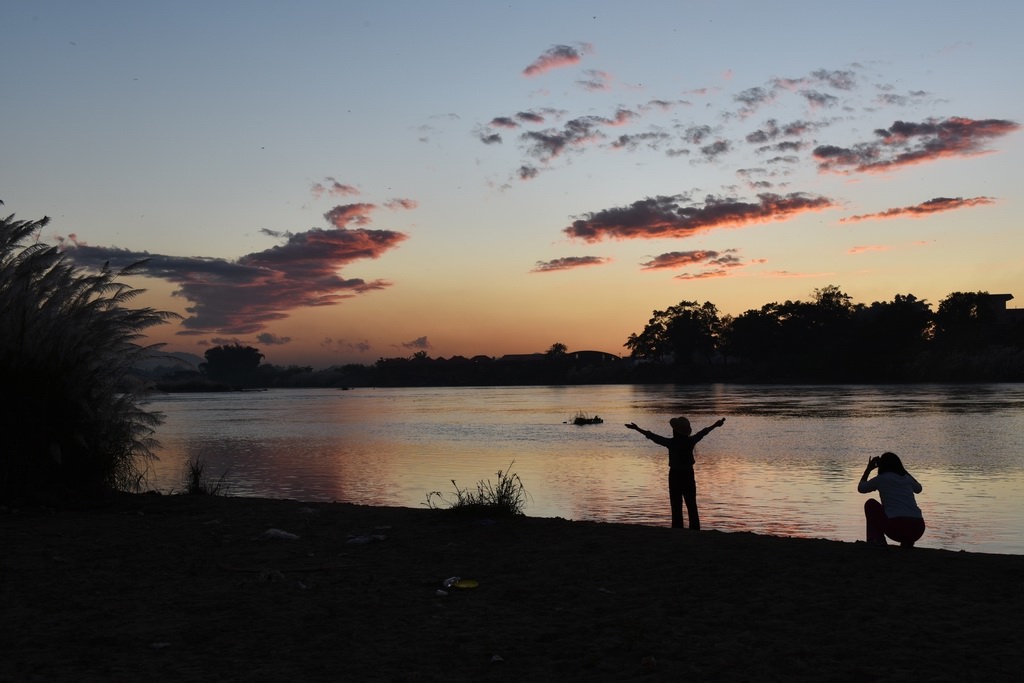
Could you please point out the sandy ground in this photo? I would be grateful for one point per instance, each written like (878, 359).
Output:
(177, 588)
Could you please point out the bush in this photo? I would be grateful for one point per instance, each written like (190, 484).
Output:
(504, 499)
(75, 421)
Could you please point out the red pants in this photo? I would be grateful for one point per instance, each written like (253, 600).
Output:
(904, 530)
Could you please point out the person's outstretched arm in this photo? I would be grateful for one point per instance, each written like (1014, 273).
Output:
(656, 438)
(632, 425)
(707, 430)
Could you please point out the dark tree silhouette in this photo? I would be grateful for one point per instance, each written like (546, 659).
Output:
(963, 321)
(753, 334)
(557, 350)
(232, 363)
(889, 334)
(680, 333)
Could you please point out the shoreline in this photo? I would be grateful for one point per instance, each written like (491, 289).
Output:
(160, 587)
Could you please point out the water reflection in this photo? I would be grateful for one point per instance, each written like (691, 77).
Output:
(830, 401)
(786, 462)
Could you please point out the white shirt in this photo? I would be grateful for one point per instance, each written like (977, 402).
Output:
(897, 493)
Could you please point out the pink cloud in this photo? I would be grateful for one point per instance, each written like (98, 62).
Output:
(674, 216)
(557, 56)
(333, 188)
(343, 214)
(243, 296)
(932, 206)
(397, 204)
(905, 143)
(568, 263)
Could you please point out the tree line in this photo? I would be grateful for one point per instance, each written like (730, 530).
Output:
(968, 337)
(829, 338)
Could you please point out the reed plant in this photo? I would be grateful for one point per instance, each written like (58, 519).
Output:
(75, 420)
(196, 482)
(505, 498)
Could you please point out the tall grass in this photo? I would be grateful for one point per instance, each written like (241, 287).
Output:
(195, 481)
(505, 498)
(75, 421)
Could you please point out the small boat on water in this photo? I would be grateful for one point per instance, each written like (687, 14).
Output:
(584, 419)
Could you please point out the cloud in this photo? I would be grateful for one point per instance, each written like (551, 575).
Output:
(683, 259)
(595, 81)
(753, 99)
(527, 172)
(342, 345)
(715, 150)
(243, 296)
(937, 205)
(397, 203)
(697, 134)
(582, 133)
(568, 263)
(840, 79)
(503, 122)
(343, 214)
(868, 247)
(717, 263)
(552, 142)
(332, 187)
(771, 130)
(906, 143)
(530, 117)
(522, 118)
(420, 343)
(784, 146)
(269, 339)
(890, 99)
(704, 275)
(677, 217)
(819, 100)
(651, 140)
(557, 56)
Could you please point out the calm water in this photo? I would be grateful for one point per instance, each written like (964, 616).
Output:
(786, 462)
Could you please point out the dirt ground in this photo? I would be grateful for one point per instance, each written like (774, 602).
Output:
(178, 588)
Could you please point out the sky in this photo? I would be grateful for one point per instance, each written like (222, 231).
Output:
(338, 182)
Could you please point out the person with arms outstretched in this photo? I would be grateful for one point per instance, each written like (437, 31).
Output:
(682, 485)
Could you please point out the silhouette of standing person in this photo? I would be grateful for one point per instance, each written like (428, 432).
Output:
(682, 486)
(898, 515)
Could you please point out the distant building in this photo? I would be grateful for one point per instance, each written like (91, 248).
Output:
(996, 304)
(522, 358)
(593, 357)
(574, 357)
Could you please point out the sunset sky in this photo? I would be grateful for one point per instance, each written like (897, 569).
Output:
(337, 182)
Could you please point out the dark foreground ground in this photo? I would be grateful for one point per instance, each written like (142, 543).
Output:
(162, 588)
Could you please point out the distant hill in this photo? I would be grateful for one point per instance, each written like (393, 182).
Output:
(173, 359)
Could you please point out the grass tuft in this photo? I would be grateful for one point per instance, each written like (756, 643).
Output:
(195, 481)
(506, 498)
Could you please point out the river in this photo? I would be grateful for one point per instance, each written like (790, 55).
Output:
(786, 462)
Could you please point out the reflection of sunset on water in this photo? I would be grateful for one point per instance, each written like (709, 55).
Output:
(786, 462)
